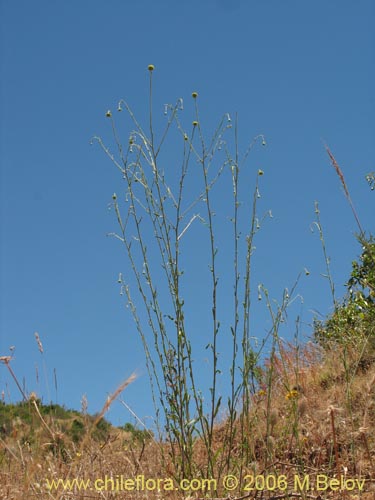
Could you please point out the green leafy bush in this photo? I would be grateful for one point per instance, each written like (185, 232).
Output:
(139, 435)
(77, 430)
(57, 411)
(353, 321)
(102, 429)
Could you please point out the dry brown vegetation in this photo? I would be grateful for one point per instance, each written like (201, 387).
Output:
(315, 415)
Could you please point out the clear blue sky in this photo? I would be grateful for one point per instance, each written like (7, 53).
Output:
(296, 71)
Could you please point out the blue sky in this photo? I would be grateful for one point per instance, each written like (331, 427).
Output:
(298, 72)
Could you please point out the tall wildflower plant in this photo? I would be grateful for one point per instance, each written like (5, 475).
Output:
(158, 201)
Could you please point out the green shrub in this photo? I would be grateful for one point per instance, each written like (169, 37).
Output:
(102, 429)
(353, 321)
(138, 435)
(57, 411)
(77, 430)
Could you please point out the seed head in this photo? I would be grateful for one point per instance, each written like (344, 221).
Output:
(194, 95)
(39, 342)
(33, 396)
(151, 67)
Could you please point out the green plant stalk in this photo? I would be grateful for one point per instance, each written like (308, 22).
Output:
(247, 382)
(180, 393)
(234, 328)
(326, 258)
(148, 193)
(216, 325)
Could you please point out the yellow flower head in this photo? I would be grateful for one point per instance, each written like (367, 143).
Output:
(151, 67)
(194, 95)
(195, 123)
(261, 393)
(291, 394)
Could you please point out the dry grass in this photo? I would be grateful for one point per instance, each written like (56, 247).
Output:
(315, 416)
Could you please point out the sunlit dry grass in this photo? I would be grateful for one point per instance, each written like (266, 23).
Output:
(320, 421)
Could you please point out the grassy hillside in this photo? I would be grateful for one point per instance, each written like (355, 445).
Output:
(314, 418)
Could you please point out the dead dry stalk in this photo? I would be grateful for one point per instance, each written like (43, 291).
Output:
(346, 191)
